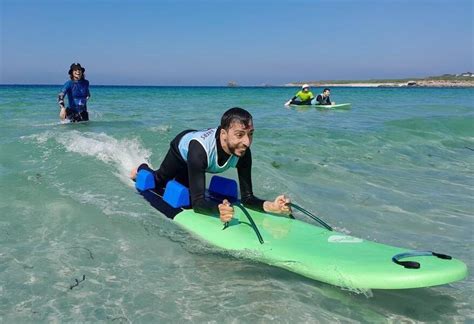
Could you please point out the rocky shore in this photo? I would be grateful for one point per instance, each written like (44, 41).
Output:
(411, 84)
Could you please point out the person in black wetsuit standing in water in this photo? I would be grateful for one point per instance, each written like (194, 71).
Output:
(193, 153)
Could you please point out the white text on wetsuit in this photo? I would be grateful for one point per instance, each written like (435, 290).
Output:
(206, 134)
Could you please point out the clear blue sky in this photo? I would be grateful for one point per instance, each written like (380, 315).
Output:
(194, 42)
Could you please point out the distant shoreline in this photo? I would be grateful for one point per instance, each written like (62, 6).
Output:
(414, 83)
(390, 85)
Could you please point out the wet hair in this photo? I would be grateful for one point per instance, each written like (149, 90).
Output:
(326, 89)
(235, 114)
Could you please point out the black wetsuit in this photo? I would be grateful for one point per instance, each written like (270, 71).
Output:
(296, 101)
(75, 116)
(300, 103)
(192, 174)
(323, 101)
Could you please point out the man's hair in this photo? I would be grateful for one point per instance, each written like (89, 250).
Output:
(326, 89)
(235, 114)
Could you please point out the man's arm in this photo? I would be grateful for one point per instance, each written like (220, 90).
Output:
(320, 100)
(197, 164)
(88, 95)
(244, 170)
(63, 92)
(61, 95)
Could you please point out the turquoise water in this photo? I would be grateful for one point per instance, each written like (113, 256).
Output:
(397, 168)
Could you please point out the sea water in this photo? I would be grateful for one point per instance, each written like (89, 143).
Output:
(78, 244)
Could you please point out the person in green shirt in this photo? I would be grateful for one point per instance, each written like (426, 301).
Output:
(302, 97)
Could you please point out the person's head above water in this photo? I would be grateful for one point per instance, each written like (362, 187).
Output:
(326, 92)
(236, 131)
(76, 71)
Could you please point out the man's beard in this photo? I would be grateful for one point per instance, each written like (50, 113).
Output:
(234, 149)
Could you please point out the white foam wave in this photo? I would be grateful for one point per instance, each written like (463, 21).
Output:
(39, 138)
(123, 154)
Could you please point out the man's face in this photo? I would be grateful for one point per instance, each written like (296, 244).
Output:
(326, 93)
(238, 138)
(305, 89)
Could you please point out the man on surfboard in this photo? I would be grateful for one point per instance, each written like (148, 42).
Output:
(323, 98)
(193, 153)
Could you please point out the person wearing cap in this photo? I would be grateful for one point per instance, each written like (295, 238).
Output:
(302, 97)
(77, 91)
(323, 98)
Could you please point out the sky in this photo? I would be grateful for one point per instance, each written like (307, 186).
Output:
(251, 42)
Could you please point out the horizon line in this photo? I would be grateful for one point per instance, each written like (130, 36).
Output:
(150, 85)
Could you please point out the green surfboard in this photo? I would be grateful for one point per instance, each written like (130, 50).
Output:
(315, 252)
(343, 106)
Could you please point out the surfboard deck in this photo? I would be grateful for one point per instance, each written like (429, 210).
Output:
(343, 106)
(314, 252)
